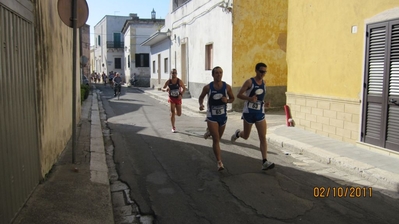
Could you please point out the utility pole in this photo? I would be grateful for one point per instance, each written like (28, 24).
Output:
(67, 10)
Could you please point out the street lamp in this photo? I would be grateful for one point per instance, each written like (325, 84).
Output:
(169, 34)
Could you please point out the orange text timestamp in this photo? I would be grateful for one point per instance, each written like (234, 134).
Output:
(342, 192)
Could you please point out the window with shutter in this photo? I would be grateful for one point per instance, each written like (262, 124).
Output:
(376, 60)
(117, 40)
(381, 115)
(118, 63)
(142, 60)
(392, 138)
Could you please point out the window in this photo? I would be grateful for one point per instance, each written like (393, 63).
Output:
(166, 63)
(128, 61)
(208, 56)
(118, 64)
(98, 39)
(153, 66)
(381, 87)
(117, 40)
(142, 60)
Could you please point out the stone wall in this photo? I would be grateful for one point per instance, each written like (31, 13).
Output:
(337, 118)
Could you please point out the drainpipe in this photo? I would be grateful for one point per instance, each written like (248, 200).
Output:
(170, 54)
(187, 64)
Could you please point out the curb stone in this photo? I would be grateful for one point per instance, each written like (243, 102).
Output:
(352, 166)
(125, 210)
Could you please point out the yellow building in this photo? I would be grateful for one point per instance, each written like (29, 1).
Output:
(259, 35)
(335, 63)
(343, 69)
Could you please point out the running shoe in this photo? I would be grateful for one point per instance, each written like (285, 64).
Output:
(207, 134)
(267, 165)
(220, 166)
(234, 136)
(173, 129)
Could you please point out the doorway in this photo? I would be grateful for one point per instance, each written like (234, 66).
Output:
(380, 121)
(184, 67)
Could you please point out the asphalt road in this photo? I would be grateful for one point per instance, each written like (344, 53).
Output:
(174, 177)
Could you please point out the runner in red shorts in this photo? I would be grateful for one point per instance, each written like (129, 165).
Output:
(176, 89)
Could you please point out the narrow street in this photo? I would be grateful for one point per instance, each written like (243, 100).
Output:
(173, 176)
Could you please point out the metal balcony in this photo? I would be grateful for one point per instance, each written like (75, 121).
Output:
(113, 44)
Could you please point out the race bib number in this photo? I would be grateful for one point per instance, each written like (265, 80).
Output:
(217, 110)
(255, 106)
(174, 92)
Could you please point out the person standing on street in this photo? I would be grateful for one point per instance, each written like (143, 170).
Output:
(117, 83)
(111, 78)
(104, 78)
(253, 91)
(219, 95)
(176, 89)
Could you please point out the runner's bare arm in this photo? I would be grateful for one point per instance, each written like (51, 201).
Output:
(183, 87)
(230, 94)
(205, 91)
(245, 86)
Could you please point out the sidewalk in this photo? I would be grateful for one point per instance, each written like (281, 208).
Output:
(75, 193)
(380, 168)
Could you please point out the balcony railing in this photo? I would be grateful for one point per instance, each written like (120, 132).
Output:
(113, 44)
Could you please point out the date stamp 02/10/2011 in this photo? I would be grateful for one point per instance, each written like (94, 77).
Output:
(343, 192)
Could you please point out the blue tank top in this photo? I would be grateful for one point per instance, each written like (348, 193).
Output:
(174, 89)
(216, 107)
(260, 91)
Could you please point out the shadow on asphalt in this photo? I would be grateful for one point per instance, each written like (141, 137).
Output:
(151, 165)
(224, 141)
(185, 168)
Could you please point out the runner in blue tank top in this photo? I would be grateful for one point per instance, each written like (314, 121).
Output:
(256, 106)
(253, 91)
(176, 89)
(217, 109)
(219, 95)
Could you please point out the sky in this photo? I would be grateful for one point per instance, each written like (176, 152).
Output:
(143, 8)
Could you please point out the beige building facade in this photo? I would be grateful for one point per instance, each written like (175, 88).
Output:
(36, 95)
(340, 74)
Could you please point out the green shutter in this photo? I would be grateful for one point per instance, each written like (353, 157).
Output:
(146, 60)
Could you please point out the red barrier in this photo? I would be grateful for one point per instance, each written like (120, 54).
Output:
(288, 116)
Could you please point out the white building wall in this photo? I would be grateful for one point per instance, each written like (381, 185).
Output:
(127, 52)
(160, 50)
(143, 33)
(111, 55)
(106, 29)
(92, 63)
(134, 36)
(115, 25)
(98, 49)
(197, 24)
